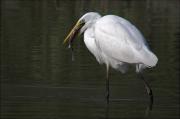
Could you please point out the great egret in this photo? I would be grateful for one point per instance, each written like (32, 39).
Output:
(115, 42)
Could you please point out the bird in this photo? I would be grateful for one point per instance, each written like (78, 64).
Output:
(115, 42)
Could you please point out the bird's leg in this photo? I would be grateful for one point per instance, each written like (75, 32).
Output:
(107, 83)
(148, 89)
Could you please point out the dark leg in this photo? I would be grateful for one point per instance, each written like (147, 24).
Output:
(107, 84)
(148, 89)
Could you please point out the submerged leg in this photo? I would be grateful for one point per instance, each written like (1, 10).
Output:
(148, 89)
(107, 83)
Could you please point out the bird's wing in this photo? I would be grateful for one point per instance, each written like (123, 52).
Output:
(119, 39)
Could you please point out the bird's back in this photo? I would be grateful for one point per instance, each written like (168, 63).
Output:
(121, 28)
(121, 41)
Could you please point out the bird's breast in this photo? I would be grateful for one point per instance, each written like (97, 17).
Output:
(90, 43)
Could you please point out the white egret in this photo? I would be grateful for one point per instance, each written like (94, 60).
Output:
(114, 41)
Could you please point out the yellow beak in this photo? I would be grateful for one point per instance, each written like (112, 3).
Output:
(73, 32)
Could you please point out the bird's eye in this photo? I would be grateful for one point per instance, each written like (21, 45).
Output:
(82, 22)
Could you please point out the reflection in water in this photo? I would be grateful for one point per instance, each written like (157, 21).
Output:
(148, 109)
(39, 80)
(146, 114)
(107, 111)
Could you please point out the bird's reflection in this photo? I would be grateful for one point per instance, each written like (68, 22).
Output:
(147, 112)
(148, 109)
(107, 111)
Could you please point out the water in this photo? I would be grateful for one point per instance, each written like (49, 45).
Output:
(39, 79)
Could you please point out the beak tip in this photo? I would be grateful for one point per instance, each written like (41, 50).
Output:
(65, 40)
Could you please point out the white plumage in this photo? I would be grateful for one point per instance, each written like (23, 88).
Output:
(116, 42)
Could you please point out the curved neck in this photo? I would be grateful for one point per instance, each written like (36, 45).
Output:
(87, 25)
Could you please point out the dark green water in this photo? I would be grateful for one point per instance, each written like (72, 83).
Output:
(39, 80)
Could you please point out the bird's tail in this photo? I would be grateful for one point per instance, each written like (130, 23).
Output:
(149, 59)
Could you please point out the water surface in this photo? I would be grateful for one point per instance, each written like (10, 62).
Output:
(39, 80)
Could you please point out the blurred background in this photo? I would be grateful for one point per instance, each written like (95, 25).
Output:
(39, 79)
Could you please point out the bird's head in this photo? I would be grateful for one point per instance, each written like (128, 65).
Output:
(82, 24)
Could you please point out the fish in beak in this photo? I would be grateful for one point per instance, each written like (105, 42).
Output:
(70, 37)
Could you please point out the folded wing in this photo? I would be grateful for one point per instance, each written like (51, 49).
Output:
(120, 40)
